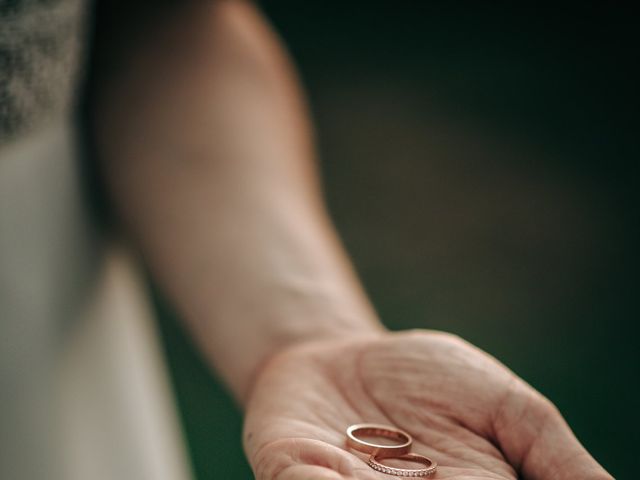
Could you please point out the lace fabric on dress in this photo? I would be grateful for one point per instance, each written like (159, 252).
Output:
(39, 57)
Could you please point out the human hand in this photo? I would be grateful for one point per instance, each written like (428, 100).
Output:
(463, 408)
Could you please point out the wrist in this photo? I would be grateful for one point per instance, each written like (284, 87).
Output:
(294, 332)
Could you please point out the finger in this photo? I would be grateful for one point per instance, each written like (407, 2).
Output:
(306, 459)
(308, 472)
(536, 439)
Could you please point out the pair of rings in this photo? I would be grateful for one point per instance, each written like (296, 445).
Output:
(400, 449)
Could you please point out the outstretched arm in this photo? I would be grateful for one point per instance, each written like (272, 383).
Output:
(207, 149)
(208, 154)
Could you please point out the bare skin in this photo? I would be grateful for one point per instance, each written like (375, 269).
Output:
(463, 408)
(206, 147)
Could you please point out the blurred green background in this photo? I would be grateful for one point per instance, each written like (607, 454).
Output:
(481, 164)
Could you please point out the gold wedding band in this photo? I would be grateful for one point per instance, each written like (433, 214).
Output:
(398, 451)
(430, 466)
(376, 450)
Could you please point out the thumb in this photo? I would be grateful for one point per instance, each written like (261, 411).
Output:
(537, 441)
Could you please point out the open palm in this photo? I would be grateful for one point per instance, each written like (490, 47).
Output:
(463, 408)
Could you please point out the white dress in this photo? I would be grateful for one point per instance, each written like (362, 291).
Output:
(83, 385)
(84, 391)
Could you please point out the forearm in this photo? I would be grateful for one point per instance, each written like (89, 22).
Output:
(207, 151)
